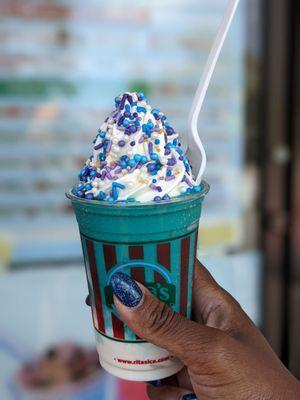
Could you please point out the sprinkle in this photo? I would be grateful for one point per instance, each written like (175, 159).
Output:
(122, 103)
(150, 147)
(126, 122)
(171, 162)
(118, 170)
(166, 197)
(169, 178)
(141, 139)
(159, 189)
(101, 195)
(132, 128)
(153, 156)
(157, 198)
(131, 163)
(151, 167)
(79, 193)
(109, 176)
(156, 141)
(197, 188)
(119, 185)
(89, 196)
(103, 175)
(121, 143)
(141, 109)
(132, 143)
(123, 164)
(154, 180)
(120, 122)
(98, 146)
(110, 200)
(137, 157)
(153, 187)
(143, 159)
(186, 179)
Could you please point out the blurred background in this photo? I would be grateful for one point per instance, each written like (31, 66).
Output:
(62, 62)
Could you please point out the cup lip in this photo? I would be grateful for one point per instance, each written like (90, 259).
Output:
(120, 205)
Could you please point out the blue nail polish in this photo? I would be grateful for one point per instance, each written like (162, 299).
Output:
(190, 396)
(155, 383)
(126, 290)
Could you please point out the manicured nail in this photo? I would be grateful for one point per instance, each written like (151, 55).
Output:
(88, 301)
(155, 383)
(189, 396)
(126, 290)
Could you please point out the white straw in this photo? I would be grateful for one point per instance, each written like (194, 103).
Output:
(194, 142)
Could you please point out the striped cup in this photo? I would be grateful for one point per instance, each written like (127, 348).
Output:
(153, 243)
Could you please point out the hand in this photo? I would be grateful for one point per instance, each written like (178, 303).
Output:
(225, 355)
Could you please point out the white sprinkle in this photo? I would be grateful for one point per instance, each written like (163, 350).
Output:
(115, 148)
(129, 152)
(115, 140)
(126, 138)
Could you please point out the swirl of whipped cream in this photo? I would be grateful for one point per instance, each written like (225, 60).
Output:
(136, 157)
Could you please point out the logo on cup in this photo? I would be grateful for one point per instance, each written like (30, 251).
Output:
(164, 291)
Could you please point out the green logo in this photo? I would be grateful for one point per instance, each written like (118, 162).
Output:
(163, 291)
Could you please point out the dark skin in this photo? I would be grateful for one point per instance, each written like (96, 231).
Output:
(225, 355)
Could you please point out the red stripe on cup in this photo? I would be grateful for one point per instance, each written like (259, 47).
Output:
(185, 250)
(110, 258)
(163, 255)
(137, 253)
(163, 258)
(95, 281)
(118, 327)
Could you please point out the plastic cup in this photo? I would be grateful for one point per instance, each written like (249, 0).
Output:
(153, 243)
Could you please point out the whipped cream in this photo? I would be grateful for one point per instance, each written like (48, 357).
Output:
(136, 157)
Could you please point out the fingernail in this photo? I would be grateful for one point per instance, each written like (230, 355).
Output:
(88, 301)
(155, 383)
(126, 289)
(189, 396)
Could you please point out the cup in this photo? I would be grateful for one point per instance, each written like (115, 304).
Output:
(154, 244)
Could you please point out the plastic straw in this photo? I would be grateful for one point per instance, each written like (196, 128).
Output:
(194, 143)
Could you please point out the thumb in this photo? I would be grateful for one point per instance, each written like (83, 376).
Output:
(155, 322)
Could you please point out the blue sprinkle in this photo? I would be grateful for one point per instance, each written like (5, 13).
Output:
(131, 117)
(153, 173)
(123, 157)
(79, 193)
(118, 185)
(166, 197)
(127, 107)
(101, 195)
(156, 141)
(197, 188)
(89, 196)
(110, 200)
(153, 156)
(150, 124)
(154, 111)
(157, 198)
(125, 122)
(154, 180)
(121, 143)
(163, 118)
(131, 163)
(143, 159)
(137, 123)
(141, 109)
(102, 134)
(137, 158)
(80, 187)
(140, 96)
(169, 173)
(189, 190)
(123, 164)
(115, 193)
(132, 128)
(88, 186)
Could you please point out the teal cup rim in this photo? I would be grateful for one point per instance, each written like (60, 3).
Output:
(122, 205)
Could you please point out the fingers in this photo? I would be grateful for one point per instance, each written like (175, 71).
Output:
(167, 393)
(214, 306)
(155, 322)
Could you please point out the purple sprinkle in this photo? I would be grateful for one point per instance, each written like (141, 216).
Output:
(188, 181)
(132, 169)
(129, 98)
(121, 119)
(115, 177)
(166, 197)
(122, 102)
(150, 147)
(98, 146)
(132, 128)
(152, 186)
(158, 188)
(132, 143)
(108, 169)
(121, 143)
(135, 114)
(167, 151)
(118, 170)
(103, 175)
(117, 162)
(97, 175)
(139, 165)
(141, 139)
(151, 167)
(169, 178)
(166, 138)
(108, 175)
(157, 198)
